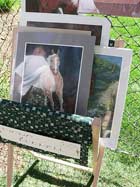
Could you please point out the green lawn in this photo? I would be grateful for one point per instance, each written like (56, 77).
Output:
(119, 169)
(7, 5)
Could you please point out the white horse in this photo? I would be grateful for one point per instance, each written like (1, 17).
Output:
(50, 80)
(56, 84)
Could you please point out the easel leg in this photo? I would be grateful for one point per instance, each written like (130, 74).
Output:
(97, 169)
(10, 165)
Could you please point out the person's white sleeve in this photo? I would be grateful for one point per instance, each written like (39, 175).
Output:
(19, 69)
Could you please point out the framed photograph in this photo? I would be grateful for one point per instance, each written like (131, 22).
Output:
(51, 68)
(119, 8)
(108, 90)
(59, 6)
(99, 27)
(107, 7)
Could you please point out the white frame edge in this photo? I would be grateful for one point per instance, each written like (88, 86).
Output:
(126, 55)
(72, 19)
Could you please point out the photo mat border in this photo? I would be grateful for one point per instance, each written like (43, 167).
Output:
(79, 40)
(126, 55)
(71, 19)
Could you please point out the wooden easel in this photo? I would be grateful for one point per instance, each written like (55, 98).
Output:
(98, 152)
(98, 149)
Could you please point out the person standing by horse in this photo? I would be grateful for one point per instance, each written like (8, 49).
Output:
(42, 73)
(30, 65)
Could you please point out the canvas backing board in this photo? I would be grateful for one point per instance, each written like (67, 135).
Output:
(64, 39)
(107, 95)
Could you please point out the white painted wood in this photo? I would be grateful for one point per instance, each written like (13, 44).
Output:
(61, 162)
(41, 142)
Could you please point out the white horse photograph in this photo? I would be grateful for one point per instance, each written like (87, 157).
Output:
(51, 76)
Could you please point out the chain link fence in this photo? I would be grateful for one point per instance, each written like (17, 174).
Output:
(129, 142)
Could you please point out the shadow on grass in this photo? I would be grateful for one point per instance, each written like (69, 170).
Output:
(55, 181)
(34, 173)
(21, 179)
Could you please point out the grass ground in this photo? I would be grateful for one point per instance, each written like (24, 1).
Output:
(119, 169)
(6, 5)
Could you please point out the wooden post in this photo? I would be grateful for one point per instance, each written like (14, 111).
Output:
(10, 165)
(97, 168)
(96, 129)
(98, 151)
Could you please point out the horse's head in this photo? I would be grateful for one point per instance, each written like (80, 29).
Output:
(54, 62)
